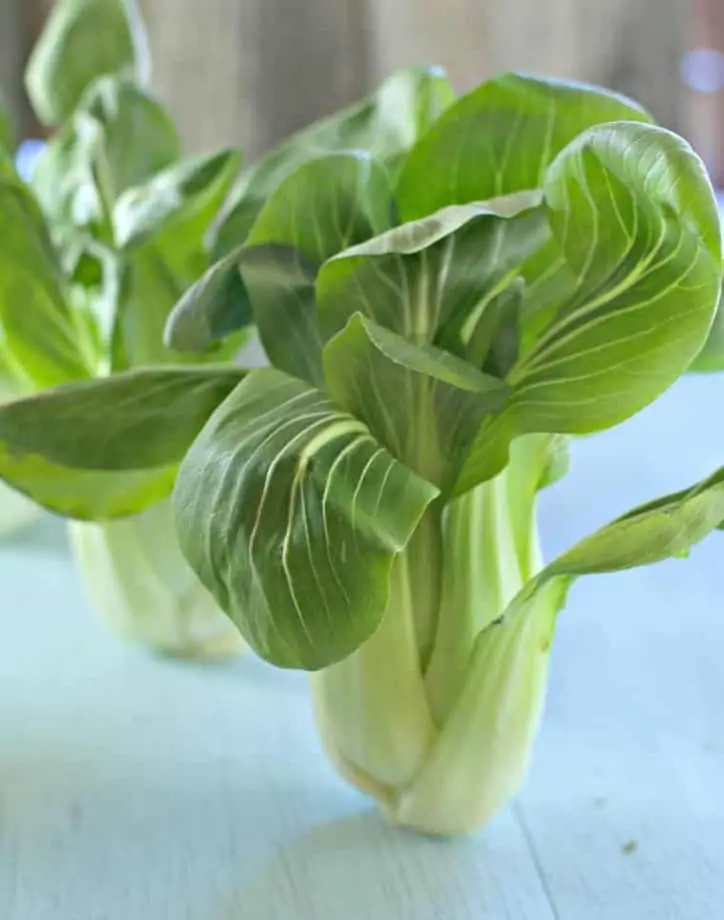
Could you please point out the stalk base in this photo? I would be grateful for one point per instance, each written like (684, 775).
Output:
(145, 592)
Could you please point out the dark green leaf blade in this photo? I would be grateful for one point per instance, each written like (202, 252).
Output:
(82, 40)
(292, 514)
(108, 447)
(711, 357)
(430, 278)
(37, 334)
(138, 419)
(210, 310)
(424, 405)
(326, 205)
(634, 217)
(657, 530)
(632, 210)
(163, 225)
(385, 125)
(66, 183)
(500, 139)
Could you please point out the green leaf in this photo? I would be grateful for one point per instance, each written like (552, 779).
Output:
(493, 341)
(191, 190)
(500, 139)
(661, 529)
(385, 125)
(87, 495)
(291, 513)
(82, 40)
(427, 279)
(558, 459)
(96, 280)
(634, 219)
(108, 447)
(162, 226)
(66, 183)
(212, 309)
(655, 531)
(148, 293)
(150, 290)
(139, 137)
(118, 137)
(327, 204)
(711, 357)
(37, 333)
(424, 405)
(632, 211)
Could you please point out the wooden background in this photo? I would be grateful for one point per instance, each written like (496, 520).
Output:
(249, 71)
(252, 70)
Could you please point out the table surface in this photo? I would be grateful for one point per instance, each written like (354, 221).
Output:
(138, 789)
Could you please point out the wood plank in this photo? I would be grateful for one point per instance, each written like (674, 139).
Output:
(634, 46)
(252, 72)
(144, 789)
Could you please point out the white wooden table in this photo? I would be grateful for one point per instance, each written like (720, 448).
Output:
(133, 789)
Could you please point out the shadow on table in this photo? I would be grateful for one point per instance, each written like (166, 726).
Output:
(43, 533)
(360, 868)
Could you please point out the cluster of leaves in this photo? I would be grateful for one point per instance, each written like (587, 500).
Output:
(433, 280)
(543, 261)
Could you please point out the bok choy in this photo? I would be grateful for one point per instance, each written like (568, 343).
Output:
(544, 263)
(93, 255)
(442, 313)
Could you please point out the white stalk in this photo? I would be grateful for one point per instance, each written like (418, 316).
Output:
(482, 756)
(481, 575)
(443, 741)
(141, 586)
(371, 708)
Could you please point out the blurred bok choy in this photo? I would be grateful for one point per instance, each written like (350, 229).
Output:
(95, 249)
(15, 509)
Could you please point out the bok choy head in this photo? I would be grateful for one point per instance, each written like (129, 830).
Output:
(544, 262)
(111, 228)
(94, 251)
